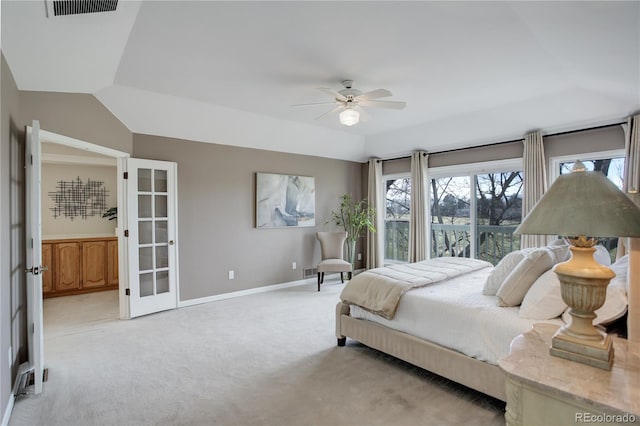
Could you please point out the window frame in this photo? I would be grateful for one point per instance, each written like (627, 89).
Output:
(470, 170)
(554, 162)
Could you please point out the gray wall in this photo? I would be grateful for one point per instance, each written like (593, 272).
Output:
(216, 196)
(12, 296)
(572, 143)
(75, 115)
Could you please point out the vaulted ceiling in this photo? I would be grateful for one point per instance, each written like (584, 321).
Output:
(228, 72)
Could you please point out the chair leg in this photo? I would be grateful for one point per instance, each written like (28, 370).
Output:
(322, 279)
(318, 281)
(342, 277)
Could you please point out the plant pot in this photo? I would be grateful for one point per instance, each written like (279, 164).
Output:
(351, 252)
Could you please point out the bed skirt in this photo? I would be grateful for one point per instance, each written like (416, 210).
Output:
(470, 372)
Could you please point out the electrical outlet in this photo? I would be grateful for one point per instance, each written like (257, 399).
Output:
(359, 256)
(232, 275)
(293, 265)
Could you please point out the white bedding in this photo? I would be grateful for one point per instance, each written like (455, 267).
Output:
(455, 314)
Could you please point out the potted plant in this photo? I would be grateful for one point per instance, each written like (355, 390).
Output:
(111, 213)
(356, 217)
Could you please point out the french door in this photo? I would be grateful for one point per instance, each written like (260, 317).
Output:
(151, 229)
(34, 254)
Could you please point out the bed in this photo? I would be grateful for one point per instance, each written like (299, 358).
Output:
(448, 326)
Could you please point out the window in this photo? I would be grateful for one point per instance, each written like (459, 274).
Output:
(611, 163)
(475, 209)
(396, 224)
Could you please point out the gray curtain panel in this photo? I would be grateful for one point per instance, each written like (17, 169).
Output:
(418, 226)
(375, 243)
(535, 183)
(631, 183)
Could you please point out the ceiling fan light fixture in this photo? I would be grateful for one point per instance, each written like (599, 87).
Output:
(349, 117)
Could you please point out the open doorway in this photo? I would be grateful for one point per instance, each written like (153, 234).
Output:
(79, 185)
(79, 193)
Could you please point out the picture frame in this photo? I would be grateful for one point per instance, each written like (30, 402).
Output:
(284, 201)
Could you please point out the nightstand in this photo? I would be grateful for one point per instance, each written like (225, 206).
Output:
(546, 390)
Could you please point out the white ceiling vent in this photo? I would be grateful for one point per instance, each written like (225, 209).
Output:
(77, 7)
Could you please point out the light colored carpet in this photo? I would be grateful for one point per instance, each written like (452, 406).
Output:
(263, 359)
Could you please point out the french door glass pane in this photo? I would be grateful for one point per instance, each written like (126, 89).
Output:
(144, 180)
(144, 206)
(498, 214)
(161, 231)
(162, 256)
(162, 282)
(451, 217)
(160, 180)
(161, 206)
(146, 284)
(145, 229)
(145, 258)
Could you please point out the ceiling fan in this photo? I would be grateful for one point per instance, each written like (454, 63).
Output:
(351, 102)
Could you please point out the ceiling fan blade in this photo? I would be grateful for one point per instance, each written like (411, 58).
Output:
(374, 94)
(315, 103)
(383, 104)
(333, 93)
(338, 107)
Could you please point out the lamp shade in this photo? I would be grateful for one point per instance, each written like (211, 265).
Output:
(349, 117)
(583, 203)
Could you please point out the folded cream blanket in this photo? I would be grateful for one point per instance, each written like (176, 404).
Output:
(379, 290)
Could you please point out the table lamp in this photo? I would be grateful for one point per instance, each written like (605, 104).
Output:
(580, 206)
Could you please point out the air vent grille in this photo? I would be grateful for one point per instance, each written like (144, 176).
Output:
(310, 272)
(76, 7)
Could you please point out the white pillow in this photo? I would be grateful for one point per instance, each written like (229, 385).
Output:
(615, 306)
(621, 268)
(543, 301)
(520, 279)
(560, 252)
(602, 255)
(502, 270)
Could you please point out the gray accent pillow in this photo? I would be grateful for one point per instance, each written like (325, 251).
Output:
(502, 270)
(520, 279)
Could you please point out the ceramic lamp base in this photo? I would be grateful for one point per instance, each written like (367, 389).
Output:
(583, 284)
(597, 353)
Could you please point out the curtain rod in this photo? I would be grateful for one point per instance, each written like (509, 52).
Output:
(604, 126)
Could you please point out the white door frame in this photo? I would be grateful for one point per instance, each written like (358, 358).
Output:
(121, 204)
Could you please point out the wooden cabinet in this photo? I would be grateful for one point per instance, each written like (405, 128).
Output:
(80, 265)
(47, 259)
(112, 262)
(67, 266)
(94, 264)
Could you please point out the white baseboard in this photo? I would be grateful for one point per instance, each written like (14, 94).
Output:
(200, 300)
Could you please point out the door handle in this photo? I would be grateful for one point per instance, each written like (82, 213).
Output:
(171, 242)
(35, 270)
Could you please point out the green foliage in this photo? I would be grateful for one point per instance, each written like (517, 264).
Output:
(111, 213)
(355, 217)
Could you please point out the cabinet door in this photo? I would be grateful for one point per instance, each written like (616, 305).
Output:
(112, 262)
(47, 260)
(94, 264)
(67, 266)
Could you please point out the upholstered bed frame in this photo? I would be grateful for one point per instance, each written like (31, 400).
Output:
(478, 375)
